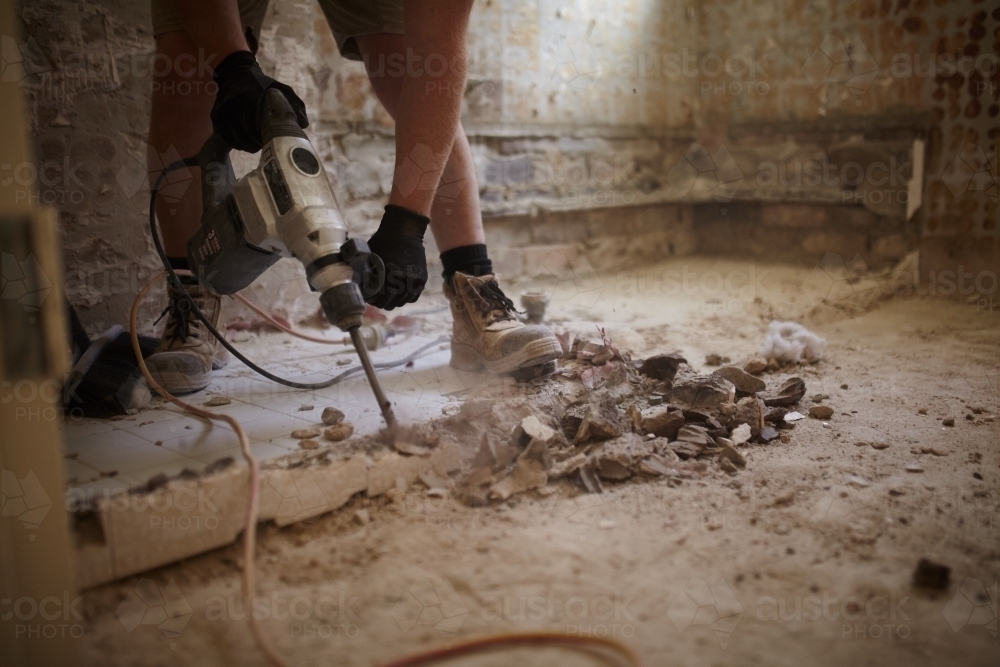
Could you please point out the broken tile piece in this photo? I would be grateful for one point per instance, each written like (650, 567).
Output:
(744, 382)
(216, 401)
(788, 393)
(703, 391)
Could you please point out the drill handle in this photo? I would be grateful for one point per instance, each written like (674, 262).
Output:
(217, 177)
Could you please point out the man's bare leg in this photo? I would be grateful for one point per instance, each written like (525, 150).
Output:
(455, 216)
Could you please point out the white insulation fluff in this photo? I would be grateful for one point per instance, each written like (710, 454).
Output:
(791, 343)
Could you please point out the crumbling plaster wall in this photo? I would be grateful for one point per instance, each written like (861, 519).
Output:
(859, 81)
(559, 116)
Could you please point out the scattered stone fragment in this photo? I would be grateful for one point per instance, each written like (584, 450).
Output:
(914, 467)
(611, 469)
(785, 499)
(697, 435)
(704, 391)
(775, 415)
(531, 428)
(755, 366)
(741, 434)
(405, 445)
(932, 576)
(603, 357)
(731, 454)
(216, 401)
(728, 466)
(590, 480)
(332, 416)
(304, 433)
(844, 386)
(657, 465)
(663, 423)
(655, 399)
(820, 411)
(338, 432)
(686, 450)
(714, 359)
(788, 393)
(662, 366)
(343, 362)
(819, 398)
(309, 443)
(362, 518)
(305, 407)
(785, 436)
(727, 409)
(933, 451)
(793, 416)
(750, 410)
(878, 444)
(744, 382)
(563, 468)
(922, 411)
(634, 416)
(602, 421)
(947, 421)
(437, 492)
(530, 472)
(969, 417)
(856, 482)
(769, 433)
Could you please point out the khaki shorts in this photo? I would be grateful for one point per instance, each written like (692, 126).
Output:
(347, 19)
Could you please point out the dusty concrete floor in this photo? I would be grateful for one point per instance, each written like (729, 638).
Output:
(786, 563)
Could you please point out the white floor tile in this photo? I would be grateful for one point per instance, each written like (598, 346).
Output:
(102, 443)
(135, 458)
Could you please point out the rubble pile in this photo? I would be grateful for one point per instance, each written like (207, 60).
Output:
(654, 418)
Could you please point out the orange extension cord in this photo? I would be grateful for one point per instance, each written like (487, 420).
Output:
(613, 651)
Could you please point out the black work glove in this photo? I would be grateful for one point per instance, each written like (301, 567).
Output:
(239, 104)
(399, 242)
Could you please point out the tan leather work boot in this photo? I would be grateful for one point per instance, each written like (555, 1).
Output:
(487, 334)
(188, 352)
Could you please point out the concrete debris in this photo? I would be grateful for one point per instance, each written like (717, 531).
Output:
(216, 401)
(932, 576)
(820, 411)
(602, 421)
(305, 407)
(876, 444)
(362, 518)
(729, 453)
(332, 416)
(437, 492)
(616, 458)
(744, 382)
(591, 482)
(947, 421)
(662, 367)
(603, 357)
(304, 433)
(610, 374)
(404, 445)
(750, 410)
(567, 466)
(703, 391)
(728, 466)
(664, 423)
(755, 366)
(768, 433)
(530, 472)
(338, 432)
(741, 434)
(714, 359)
(531, 428)
(656, 465)
(914, 467)
(309, 443)
(789, 393)
(697, 435)
(856, 482)
(791, 343)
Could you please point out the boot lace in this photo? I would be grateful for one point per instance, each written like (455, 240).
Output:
(496, 304)
(182, 322)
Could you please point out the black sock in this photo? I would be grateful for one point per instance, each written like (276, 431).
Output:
(469, 259)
